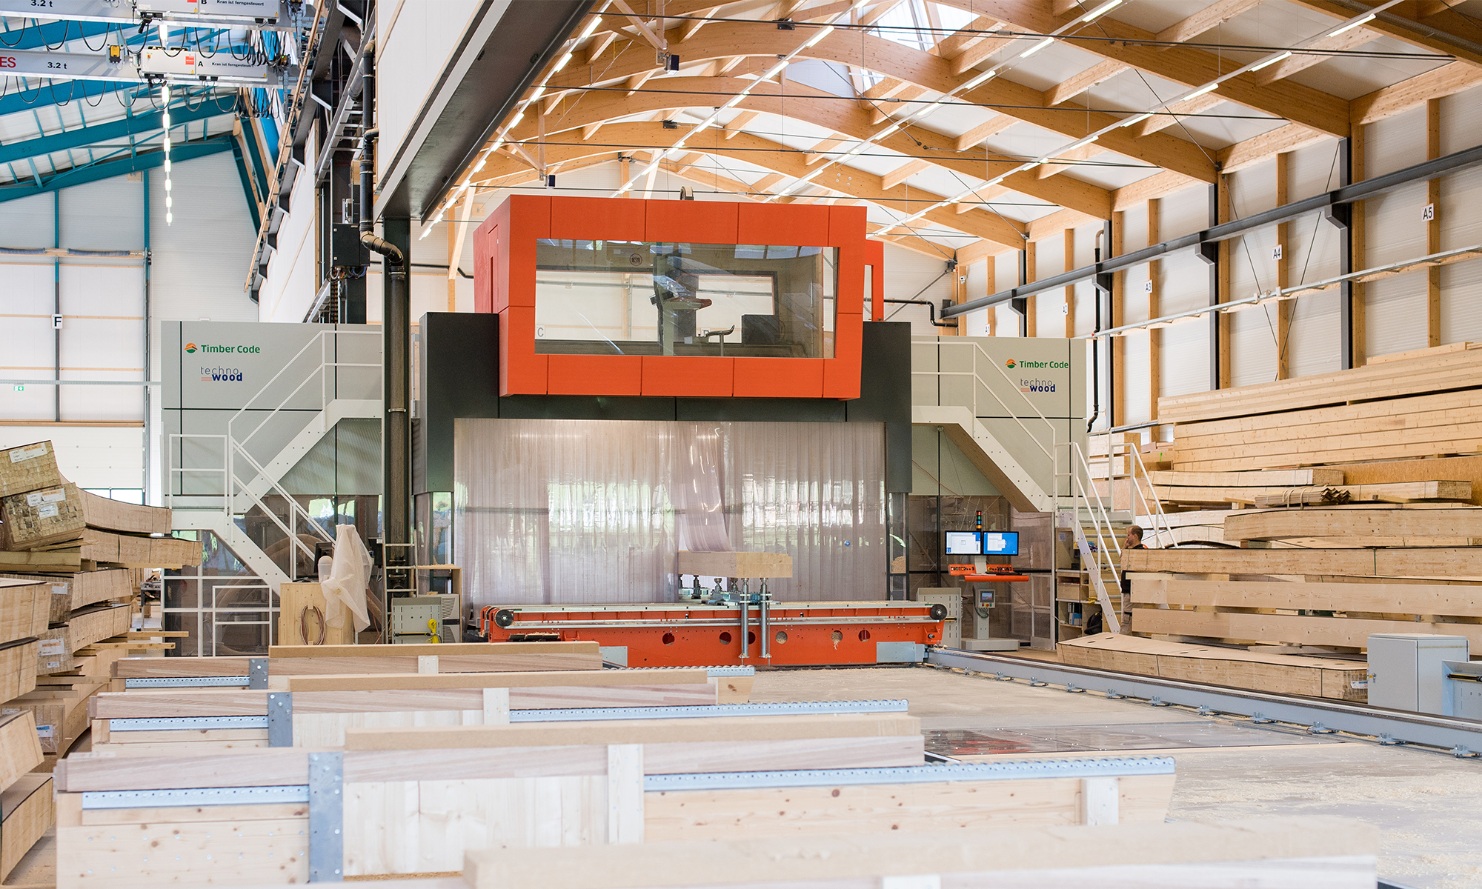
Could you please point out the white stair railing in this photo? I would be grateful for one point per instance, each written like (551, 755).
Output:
(1104, 558)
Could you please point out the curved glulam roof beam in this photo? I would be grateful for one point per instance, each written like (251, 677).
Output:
(523, 176)
(1192, 67)
(842, 115)
(571, 145)
(888, 58)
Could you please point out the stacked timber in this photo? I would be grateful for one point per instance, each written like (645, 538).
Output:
(1414, 405)
(1317, 578)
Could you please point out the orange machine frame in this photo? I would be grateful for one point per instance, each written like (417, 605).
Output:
(504, 283)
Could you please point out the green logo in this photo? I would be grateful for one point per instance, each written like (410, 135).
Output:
(1011, 363)
(190, 347)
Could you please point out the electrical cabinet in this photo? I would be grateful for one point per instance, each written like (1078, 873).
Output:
(1407, 670)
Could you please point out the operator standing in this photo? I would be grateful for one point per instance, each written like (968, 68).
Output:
(1133, 541)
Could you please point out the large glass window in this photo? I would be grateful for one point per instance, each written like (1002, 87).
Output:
(649, 298)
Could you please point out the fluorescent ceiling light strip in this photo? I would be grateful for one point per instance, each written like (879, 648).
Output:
(979, 80)
(563, 61)
(1100, 11)
(1136, 119)
(1036, 48)
(1201, 91)
(590, 29)
(1279, 57)
(1353, 24)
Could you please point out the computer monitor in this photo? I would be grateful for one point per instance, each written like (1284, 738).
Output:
(964, 543)
(1000, 543)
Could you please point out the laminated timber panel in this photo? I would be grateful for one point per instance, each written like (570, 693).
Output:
(179, 667)
(1263, 478)
(1423, 562)
(18, 662)
(1289, 629)
(1285, 851)
(49, 515)
(1398, 492)
(1278, 674)
(95, 624)
(1358, 524)
(1455, 600)
(28, 812)
(27, 468)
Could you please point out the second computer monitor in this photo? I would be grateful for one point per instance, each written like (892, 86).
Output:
(1000, 543)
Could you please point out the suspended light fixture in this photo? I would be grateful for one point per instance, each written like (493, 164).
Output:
(169, 185)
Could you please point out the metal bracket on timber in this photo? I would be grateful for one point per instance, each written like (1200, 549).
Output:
(257, 673)
(188, 682)
(280, 719)
(1459, 736)
(326, 817)
(289, 794)
(184, 723)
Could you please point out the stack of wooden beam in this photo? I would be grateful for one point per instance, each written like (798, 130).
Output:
(26, 807)
(92, 553)
(1412, 405)
(1320, 579)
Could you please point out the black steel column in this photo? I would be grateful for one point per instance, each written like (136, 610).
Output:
(396, 340)
(1341, 215)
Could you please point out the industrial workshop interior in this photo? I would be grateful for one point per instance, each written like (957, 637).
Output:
(741, 444)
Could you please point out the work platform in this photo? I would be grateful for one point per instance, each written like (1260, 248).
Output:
(1227, 767)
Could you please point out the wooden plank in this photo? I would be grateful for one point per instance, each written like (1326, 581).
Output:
(252, 768)
(1454, 600)
(1396, 492)
(1355, 523)
(555, 650)
(1264, 478)
(307, 617)
(96, 623)
(61, 713)
(20, 749)
(63, 562)
(881, 808)
(1290, 629)
(748, 565)
(1278, 674)
(18, 661)
(1447, 562)
(178, 667)
(737, 728)
(28, 813)
(1143, 855)
(592, 678)
(252, 851)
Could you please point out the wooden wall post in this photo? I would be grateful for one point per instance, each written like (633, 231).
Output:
(1433, 227)
(1155, 337)
(1031, 307)
(1069, 288)
(1284, 308)
(1116, 346)
(1222, 284)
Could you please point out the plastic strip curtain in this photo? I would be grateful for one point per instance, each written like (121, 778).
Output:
(572, 511)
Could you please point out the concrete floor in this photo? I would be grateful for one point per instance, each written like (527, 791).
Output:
(1426, 804)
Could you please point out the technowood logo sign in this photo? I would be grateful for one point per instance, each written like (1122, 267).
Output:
(1033, 384)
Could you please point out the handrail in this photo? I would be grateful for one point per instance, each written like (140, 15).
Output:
(1100, 518)
(1149, 497)
(319, 339)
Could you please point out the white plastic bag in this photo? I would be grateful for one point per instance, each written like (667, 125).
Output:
(349, 576)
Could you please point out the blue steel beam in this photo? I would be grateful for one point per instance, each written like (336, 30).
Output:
(62, 92)
(122, 166)
(244, 171)
(122, 128)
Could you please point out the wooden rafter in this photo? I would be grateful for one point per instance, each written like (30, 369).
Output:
(1187, 108)
(975, 136)
(779, 158)
(1412, 32)
(1192, 67)
(903, 172)
(951, 46)
(842, 116)
(1073, 86)
(922, 69)
(1208, 18)
(1302, 60)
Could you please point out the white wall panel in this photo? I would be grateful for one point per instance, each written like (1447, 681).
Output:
(1183, 282)
(1253, 263)
(200, 262)
(1185, 358)
(1395, 320)
(1461, 306)
(289, 290)
(1395, 232)
(90, 457)
(1253, 189)
(1313, 245)
(1136, 394)
(1253, 346)
(1135, 228)
(1459, 212)
(1313, 343)
(414, 44)
(1461, 121)
(97, 216)
(1395, 142)
(1184, 212)
(1313, 169)
(27, 222)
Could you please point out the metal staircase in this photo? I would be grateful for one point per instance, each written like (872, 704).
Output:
(214, 481)
(1040, 471)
